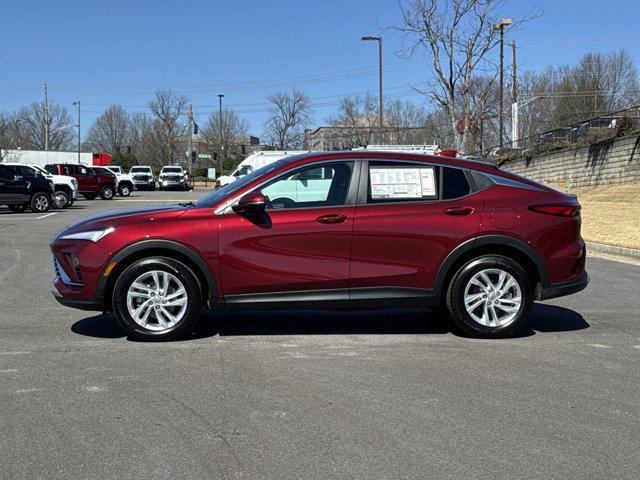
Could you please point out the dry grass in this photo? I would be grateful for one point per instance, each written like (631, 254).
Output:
(611, 215)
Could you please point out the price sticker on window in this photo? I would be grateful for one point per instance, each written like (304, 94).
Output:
(398, 183)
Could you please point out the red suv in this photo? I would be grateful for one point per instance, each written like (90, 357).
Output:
(332, 230)
(90, 182)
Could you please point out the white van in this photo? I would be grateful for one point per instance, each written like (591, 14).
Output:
(255, 161)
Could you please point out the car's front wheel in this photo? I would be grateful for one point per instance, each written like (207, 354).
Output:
(61, 199)
(157, 299)
(125, 190)
(40, 202)
(490, 296)
(106, 193)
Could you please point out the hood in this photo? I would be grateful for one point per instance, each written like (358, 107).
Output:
(120, 217)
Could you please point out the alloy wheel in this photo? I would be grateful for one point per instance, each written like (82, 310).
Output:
(493, 297)
(42, 203)
(157, 300)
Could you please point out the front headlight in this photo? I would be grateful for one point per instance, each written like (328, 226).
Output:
(92, 236)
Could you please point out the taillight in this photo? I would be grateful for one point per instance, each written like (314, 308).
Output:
(557, 210)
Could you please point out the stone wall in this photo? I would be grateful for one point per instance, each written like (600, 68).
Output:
(609, 163)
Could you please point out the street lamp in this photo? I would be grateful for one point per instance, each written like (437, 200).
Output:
(515, 106)
(379, 40)
(500, 26)
(77, 102)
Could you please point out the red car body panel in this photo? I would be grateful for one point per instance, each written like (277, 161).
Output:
(404, 244)
(407, 245)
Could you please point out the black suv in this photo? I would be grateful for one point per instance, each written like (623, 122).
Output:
(20, 193)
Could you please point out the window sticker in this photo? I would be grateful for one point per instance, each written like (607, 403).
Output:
(402, 182)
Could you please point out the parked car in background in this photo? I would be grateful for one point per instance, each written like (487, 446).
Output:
(173, 177)
(333, 230)
(19, 192)
(65, 187)
(142, 177)
(90, 183)
(124, 182)
(255, 161)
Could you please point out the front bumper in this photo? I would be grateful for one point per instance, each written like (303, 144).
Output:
(89, 304)
(569, 287)
(74, 194)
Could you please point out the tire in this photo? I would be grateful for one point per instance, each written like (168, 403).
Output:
(90, 196)
(40, 202)
(126, 300)
(61, 199)
(18, 208)
(107, 192)
(125, 190)
(497, 313)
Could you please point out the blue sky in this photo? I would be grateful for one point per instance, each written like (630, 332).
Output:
(118, 51)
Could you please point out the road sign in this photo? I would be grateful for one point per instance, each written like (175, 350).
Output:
(204, 155)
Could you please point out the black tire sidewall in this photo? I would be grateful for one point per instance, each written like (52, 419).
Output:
(455, 296)
(133, 271)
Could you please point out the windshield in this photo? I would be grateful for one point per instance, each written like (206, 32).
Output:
(242, 171)
(171, 170)
(221, 193)
(140, 170)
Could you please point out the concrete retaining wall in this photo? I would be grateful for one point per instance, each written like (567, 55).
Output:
(610, 163)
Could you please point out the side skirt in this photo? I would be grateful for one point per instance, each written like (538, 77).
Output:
(372, 298)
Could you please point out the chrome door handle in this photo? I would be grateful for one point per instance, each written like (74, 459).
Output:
(458, 211)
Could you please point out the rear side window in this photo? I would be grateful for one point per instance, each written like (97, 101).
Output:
(454, 183)
(51, 169)
(6, 172)
(402, 182)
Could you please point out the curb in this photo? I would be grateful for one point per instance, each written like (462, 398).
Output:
(612, 250)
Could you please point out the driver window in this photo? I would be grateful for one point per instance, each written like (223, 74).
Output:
(316, 186)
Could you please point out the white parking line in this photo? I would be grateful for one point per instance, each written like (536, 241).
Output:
(26, 217)
(46, 215)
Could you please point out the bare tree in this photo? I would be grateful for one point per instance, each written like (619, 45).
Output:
(357, 122)
(288, 115)
(61, 134)
(109, 131)
(139, 137)
(458, 36)
(168, 127)
(224, 131)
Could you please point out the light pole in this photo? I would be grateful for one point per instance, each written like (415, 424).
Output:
(220, 96)
(77, 102)
(515, 106)
(500, 26)
(379, 40)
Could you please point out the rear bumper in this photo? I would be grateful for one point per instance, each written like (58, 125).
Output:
(90, 304)
(561, 289)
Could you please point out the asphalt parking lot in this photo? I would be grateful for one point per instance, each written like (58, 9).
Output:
(391, 394)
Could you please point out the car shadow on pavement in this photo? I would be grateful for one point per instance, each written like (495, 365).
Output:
(544, 319)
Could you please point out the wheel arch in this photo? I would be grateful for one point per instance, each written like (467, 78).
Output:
(505, 245)
(150, 248)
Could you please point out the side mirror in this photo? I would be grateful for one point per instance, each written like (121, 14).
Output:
(17, 178)
(253, 202)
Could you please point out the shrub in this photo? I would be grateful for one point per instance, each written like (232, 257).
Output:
(625, 125)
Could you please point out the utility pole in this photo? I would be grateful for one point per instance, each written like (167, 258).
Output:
(77, 102)
(46, 118)
(380, 111)
(514, 99)
(500, 26)
(220, 95)
(189, 160)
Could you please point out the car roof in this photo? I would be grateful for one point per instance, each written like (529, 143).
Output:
(382, 155)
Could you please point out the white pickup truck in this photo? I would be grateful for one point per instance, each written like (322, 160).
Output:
(66, 187)
(125, 180)
(173, 177)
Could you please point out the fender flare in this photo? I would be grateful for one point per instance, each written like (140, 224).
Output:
(498, 240)
(165, 245)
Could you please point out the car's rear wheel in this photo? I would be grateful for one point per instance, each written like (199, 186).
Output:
(490, 296)
(18, 208)
(61, 199)
(106, 192)
(157, 299)
(40, 202)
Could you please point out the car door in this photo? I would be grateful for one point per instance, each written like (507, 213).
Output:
(409, 216)
(298, 249)
(13, 186)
